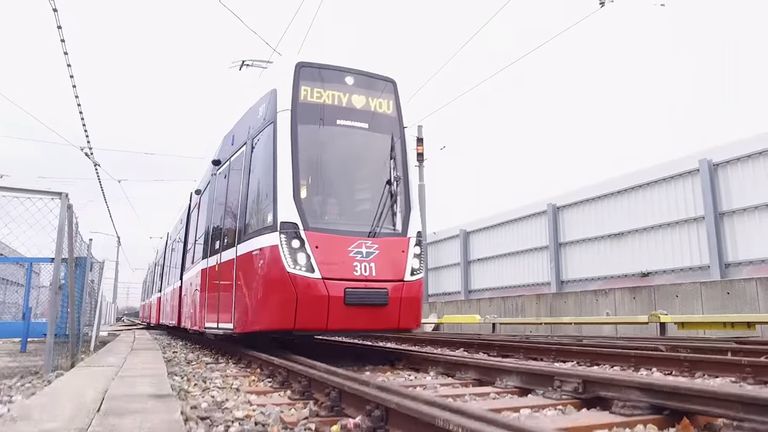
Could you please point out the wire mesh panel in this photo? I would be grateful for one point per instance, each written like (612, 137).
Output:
(24, 285)
(47, 288)
(12, 280)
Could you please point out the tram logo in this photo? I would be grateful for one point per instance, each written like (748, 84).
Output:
(363, 250)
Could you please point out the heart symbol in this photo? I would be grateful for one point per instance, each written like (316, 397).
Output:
(358, 101)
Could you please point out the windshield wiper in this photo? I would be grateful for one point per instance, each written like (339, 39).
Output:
(388, 201)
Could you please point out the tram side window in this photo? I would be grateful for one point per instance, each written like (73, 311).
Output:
(200, 232)
(259, 211)
(217, 212)
(191, 238)
(169, 252)
(232, 205)
(160, 272)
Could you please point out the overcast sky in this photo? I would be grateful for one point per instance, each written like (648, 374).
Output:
(632, 86)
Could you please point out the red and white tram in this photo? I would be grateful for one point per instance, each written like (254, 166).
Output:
(304, 222)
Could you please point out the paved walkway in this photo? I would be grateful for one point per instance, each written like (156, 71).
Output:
(123, 387)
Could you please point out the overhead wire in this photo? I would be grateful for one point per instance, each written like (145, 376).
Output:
(311, 23)
(120, 180)
(287, 27)
(458, 50)
(45, 125)
(274, 50)
(139, 152)
(505, 67)
(89, 153)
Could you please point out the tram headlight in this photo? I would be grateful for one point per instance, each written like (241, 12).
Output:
(293, 247)
(416, 263)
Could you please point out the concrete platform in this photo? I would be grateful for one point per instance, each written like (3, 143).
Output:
(123, 387)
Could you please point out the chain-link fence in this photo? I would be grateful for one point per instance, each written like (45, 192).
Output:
(48, 277)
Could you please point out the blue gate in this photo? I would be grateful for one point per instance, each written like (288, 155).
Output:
(19, 321)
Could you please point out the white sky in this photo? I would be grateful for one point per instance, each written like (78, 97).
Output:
(634, 85)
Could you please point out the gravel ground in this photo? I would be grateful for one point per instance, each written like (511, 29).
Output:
(214, 392)
(20, 376)
(22, 386)
(698, 377)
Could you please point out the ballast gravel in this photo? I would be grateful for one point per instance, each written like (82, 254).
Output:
(698, 378)
(214, 392)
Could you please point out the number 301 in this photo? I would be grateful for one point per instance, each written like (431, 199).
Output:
(364, 269)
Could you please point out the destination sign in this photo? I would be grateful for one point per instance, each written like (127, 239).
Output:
(356, 99)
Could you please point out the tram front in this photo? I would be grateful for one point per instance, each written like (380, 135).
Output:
(356, 257)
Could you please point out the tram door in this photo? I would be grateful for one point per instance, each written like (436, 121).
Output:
(219, 297)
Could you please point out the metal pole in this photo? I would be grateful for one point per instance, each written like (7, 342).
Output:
(97, 317)
(712, 219)
(423, 206)
(71, 289)
(53, 295)
(26, 311)
(114, 291)
(464, 263)
(86, 297)
(555, 279)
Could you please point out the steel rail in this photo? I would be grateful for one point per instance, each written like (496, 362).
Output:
(689, 397)
(423, 412)
(725, 347)
(754, 369)
(736, 340)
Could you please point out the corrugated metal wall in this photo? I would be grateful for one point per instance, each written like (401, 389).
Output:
(443, 265)
(650, 227)
(742, 186)
(656, 227)
(509, 254)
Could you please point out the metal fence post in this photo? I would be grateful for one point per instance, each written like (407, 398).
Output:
(26, 310)
(97, 317)
(55, 290)
(464, 263)
(554, 248)
(71, 288)
(712, 219)
(86, 298)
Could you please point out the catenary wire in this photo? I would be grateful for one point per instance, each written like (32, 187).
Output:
(249, 28)
(460, 49)
(505, 67)
(120, 180)
(37, 119)
(89, 154)
(311, 23)
(287, 27)
(138, 152)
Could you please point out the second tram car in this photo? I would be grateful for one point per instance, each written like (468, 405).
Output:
(305, 220)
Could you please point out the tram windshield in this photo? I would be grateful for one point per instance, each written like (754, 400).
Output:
(349, 164)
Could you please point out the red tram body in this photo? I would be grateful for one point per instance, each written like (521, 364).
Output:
(305, 221)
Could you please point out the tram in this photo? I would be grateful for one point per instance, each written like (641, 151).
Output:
(305, 220)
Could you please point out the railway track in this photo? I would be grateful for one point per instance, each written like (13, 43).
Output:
(462, 392)
(748, 363)
(342, 393)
